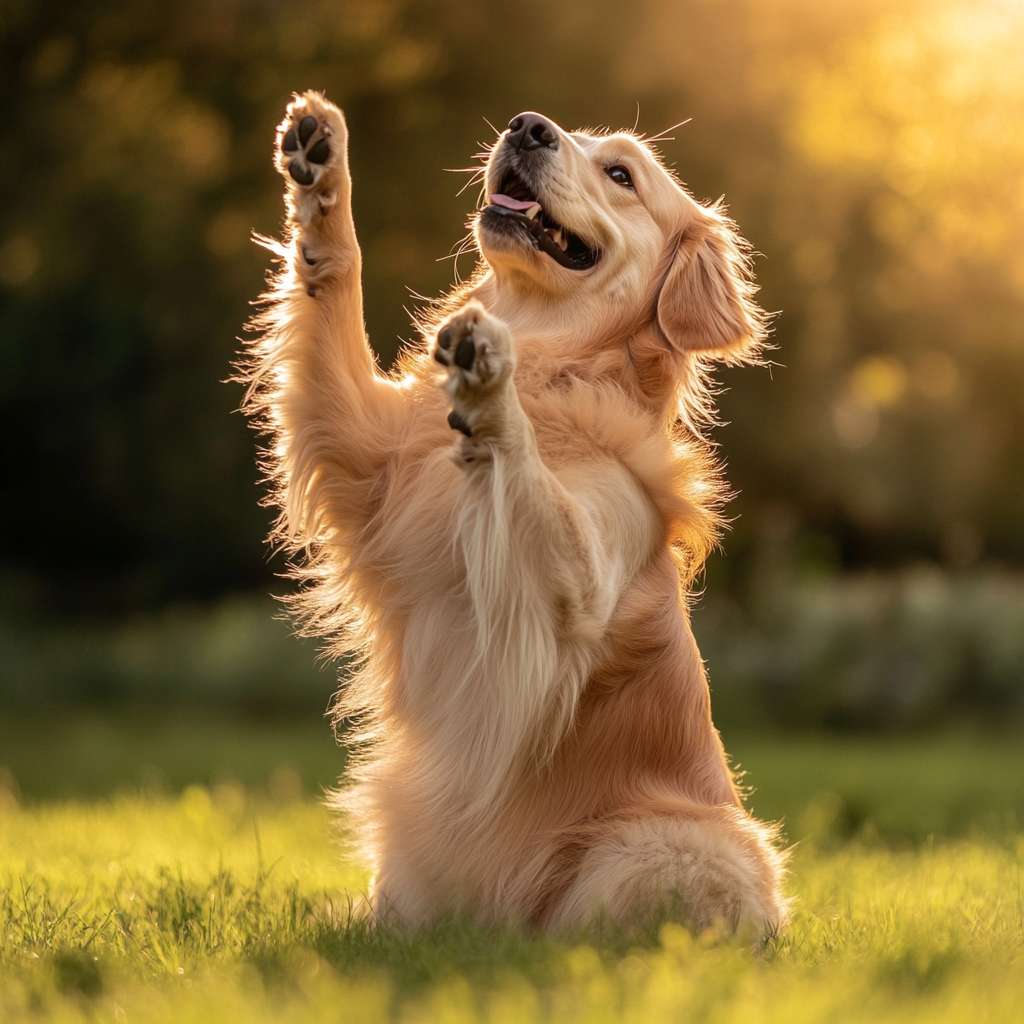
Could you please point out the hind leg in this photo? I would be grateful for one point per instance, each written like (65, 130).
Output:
(706, 865)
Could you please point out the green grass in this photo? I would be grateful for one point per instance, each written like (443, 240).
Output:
(226, 902)
(206, 907)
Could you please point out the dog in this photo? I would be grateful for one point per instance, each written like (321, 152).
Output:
(500, 532)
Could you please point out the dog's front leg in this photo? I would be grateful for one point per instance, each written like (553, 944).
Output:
(314, 378)
(546, 554)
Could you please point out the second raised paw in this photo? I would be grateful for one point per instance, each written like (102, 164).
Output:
(476, 350)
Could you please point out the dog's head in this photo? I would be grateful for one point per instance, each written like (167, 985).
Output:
(597, 220)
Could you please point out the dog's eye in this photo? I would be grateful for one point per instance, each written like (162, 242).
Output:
(620, 176)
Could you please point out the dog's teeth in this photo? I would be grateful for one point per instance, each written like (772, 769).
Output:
(532, 211)
(560, 240)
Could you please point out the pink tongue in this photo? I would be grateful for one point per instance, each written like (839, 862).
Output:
(510, 203)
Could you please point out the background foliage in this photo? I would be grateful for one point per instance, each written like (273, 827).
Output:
(870, 151)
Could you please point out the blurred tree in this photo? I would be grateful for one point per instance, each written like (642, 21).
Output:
(869, 150)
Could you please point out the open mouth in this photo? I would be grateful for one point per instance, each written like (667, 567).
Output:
(514, 204)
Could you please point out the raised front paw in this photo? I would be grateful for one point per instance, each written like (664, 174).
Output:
(476, 350)
(311, 152)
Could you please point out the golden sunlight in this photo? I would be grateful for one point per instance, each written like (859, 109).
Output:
(931, 103)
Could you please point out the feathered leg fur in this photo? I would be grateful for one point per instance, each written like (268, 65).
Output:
(315, 383)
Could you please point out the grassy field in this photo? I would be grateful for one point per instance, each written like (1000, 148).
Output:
(230, 897)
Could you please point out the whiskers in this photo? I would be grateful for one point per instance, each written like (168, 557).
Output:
(477, 174)
(664, 135)
(466, 244)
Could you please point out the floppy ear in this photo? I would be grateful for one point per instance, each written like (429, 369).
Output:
(706, 302)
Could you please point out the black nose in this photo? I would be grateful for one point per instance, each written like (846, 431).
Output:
(532, 131)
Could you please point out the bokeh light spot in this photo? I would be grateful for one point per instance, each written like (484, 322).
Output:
(879, 380)
(19, 261)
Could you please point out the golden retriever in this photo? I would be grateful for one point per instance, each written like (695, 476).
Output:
(501, 531)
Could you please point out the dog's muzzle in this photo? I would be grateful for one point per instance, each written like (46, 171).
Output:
(516, 208)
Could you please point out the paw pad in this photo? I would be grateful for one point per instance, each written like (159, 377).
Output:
(456, 346)
(457, 422)
(306, 128)
(319, 152)
(303, 175)
(297, 140)
(465, 354)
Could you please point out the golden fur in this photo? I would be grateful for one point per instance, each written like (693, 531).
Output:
(531, 711)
